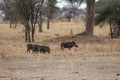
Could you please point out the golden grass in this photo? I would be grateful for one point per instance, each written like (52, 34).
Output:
(12, 40)
(60, 28)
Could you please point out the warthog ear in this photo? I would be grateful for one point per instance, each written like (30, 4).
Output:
(76, 45)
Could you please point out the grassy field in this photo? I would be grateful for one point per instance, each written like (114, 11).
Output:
(12, 40)
(96, 58)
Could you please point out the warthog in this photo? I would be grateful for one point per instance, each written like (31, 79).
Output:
(68, 45)
(37, 48)
(44, 49)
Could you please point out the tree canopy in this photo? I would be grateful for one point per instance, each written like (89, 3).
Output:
(109, 13)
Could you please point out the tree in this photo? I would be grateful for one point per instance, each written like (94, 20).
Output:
(50, 10)
(40, 21)
(70, 11)
(67, 12)
(8, 6)
(110, 14)
(90, 17)
(90, 14)
(29, 10)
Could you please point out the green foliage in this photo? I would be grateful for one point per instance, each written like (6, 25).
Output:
(102, 4)
(104, 15)
(8, 6)
(1, 6)
(109, 12)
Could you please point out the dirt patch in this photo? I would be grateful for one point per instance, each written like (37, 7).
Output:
(83, 66)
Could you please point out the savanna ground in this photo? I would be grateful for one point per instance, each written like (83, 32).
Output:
(96, 58)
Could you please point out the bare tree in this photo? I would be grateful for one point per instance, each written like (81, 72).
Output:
(50, 9)
(13, 21)
(40, 21)
(29, 10)
(8, 6)
(67, 11)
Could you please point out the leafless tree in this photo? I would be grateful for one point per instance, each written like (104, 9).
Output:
(40, 21)
(50, 9)
(29, 10)
(8, 6)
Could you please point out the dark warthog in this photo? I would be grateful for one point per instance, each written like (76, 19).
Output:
(44, 49)
(36, 48)
(68, 45)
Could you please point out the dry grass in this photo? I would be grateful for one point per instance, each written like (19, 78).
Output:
(12, 40)
(95, 58)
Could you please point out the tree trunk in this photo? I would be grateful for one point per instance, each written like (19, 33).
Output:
(118, 34)
(15, 24)
(90, 17)
(111, 33)
(33, 31)
(10, 24)
(40, 23)
(40, 26)
(26, 33)
(11, 21)
(48, 23)
(69, 19)
(28, 27)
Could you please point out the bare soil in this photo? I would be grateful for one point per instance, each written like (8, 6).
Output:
(83, 66)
